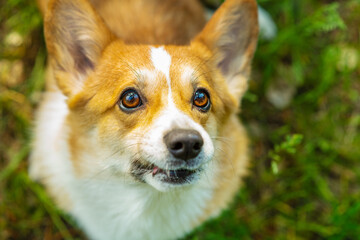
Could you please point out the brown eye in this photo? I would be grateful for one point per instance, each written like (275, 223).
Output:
(201, 100)
(130, 100)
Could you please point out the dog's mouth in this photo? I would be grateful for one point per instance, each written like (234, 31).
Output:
(172, 176)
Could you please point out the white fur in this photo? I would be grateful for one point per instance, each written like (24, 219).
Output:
(187, 74)
(161, 60)
(47, 157)
(118, 210)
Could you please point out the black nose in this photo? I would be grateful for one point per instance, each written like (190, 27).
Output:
(184, 143)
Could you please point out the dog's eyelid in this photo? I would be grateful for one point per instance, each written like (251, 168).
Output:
(135, 88)
(202, 89)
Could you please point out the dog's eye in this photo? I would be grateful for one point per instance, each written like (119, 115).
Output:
(130, 100)
(201, 100)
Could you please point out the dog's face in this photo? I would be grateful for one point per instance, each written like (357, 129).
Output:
(153, 112)
(148, 113)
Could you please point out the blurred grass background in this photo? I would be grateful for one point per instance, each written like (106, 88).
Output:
(302, 112)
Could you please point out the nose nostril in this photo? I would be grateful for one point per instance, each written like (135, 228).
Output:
(177, 146)
(197, 146)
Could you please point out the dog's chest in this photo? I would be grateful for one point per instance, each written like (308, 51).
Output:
(122, 211)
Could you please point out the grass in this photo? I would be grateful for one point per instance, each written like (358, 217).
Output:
(304, 182)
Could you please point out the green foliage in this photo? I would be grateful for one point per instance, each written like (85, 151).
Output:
(20, 15)
(288, 146)
(312, 144)
(324, 20)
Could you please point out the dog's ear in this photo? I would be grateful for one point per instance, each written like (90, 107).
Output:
(75, 38)
(231, 36)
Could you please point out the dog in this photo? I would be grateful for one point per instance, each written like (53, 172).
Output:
(137, 135)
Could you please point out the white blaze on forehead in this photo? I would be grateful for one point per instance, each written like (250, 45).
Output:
(161, 60)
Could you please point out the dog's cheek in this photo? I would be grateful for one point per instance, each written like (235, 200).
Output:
(96, 146)
(121, 134)
(211, 126)
(85, 152)
(111, 132)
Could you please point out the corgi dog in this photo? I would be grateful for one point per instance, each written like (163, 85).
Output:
(137, 135)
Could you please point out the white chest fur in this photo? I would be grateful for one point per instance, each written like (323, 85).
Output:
(137, 211)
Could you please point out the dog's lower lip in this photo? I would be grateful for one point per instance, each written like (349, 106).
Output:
(178, 174)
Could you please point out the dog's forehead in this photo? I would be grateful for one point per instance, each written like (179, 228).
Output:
(175, 81)
(168, 64)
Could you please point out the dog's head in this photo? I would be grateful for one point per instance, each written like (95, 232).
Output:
(149, 113)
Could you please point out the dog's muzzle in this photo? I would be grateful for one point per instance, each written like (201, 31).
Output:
(182, 166)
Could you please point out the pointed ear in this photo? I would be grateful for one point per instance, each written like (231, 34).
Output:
(75, 38)
(231, 35)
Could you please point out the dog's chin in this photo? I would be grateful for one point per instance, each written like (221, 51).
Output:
(167, 179)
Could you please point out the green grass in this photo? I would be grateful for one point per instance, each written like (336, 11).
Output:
(305, 178)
